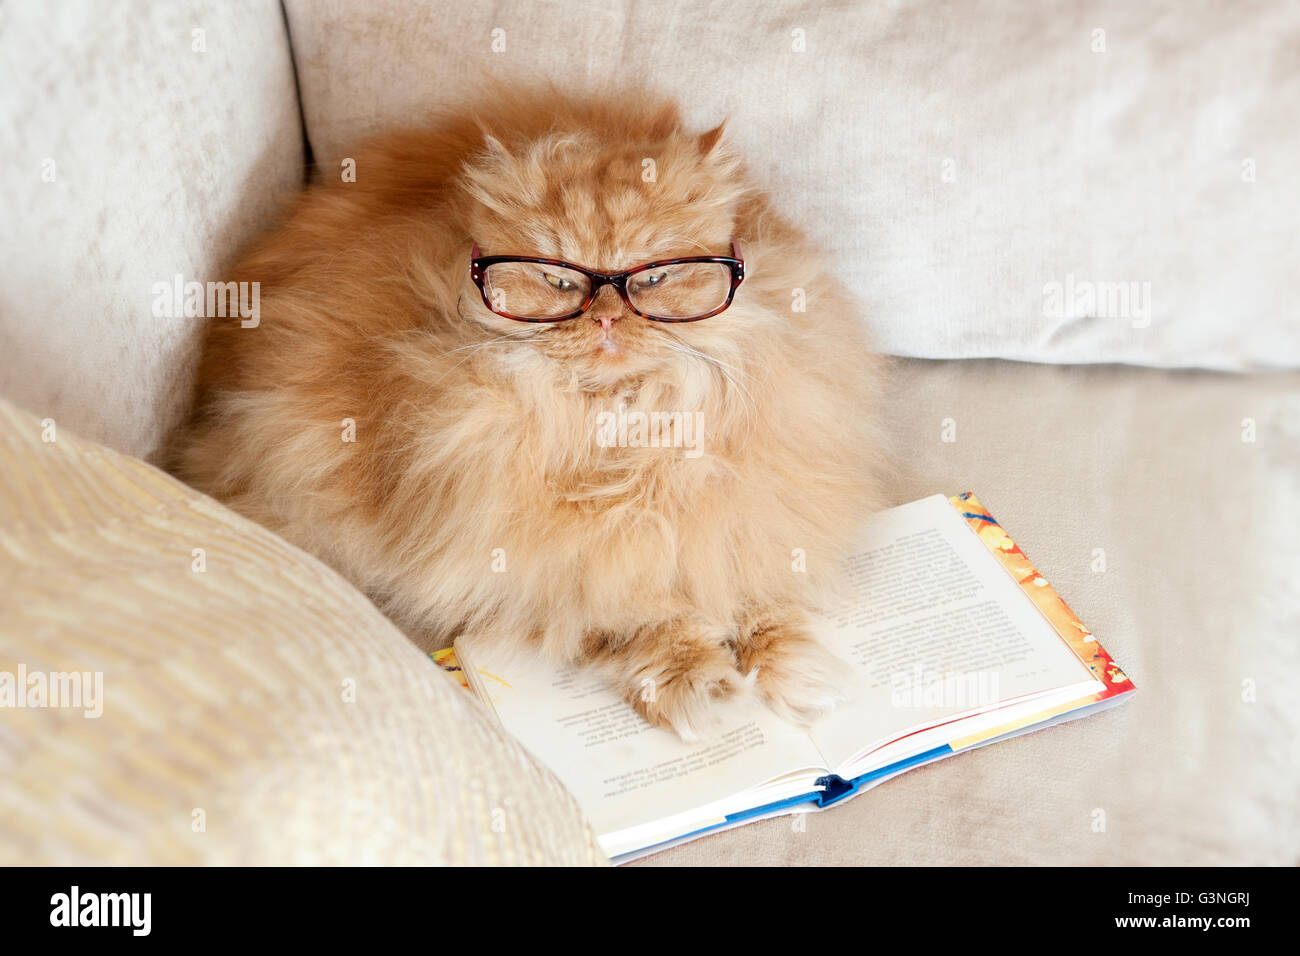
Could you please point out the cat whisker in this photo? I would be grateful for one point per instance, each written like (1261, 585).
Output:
(474, 347)
(731, 374)
(523, 333)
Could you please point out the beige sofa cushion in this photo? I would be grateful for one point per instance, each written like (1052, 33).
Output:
(959, 160)
(130, 157)
(258, 711)
(1175, 541)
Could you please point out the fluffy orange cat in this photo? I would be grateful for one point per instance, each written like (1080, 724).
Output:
(472, 472)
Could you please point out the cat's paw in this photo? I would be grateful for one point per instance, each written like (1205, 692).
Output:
(686, 691)
(793, 673)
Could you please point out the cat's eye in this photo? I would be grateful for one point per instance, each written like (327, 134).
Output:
(647, 280)
(668, 290)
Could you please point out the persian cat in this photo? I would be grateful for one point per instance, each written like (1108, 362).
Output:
(662, 500)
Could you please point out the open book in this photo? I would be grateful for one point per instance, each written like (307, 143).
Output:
(954, 641)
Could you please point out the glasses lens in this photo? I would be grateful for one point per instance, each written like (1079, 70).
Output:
(680, 291)
(532, 290)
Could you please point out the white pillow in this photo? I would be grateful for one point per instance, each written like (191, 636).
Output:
(142, 141)
(1079, 182)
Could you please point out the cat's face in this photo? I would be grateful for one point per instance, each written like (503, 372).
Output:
(609, 207)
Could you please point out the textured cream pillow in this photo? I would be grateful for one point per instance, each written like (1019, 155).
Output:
(253, 708)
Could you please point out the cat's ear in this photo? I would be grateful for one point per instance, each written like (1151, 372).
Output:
(710, 143)
(491, 145)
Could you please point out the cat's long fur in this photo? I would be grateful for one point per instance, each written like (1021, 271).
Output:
(475, 495)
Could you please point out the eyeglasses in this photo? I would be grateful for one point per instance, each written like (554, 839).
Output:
(529, 289)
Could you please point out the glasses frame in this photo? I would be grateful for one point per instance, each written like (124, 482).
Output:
(478, 266)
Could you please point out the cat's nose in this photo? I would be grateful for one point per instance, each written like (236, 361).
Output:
(606, 317)
(606, 310)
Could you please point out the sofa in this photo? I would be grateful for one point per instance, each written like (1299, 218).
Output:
(1072, 225)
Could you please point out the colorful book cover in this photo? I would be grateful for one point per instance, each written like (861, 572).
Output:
(1058, 613)
(446, 659)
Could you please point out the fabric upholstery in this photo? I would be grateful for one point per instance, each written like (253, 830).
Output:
(165, 159)
(256, 711)
(1174, 540)
(976, 171)
(955, 160)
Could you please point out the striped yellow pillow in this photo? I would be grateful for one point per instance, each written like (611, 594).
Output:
(180, 686)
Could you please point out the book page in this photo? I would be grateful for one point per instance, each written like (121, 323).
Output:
(624, 772)
(936, 629)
